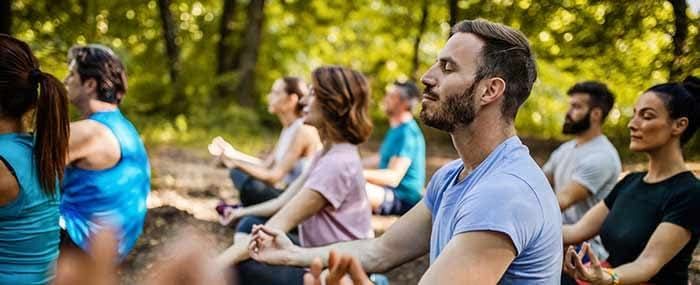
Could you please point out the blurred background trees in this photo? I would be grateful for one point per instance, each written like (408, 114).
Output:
(202, 68)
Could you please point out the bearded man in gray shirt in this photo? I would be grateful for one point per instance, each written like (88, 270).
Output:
(583, 170)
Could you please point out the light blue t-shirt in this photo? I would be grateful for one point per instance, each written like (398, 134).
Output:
(506, 193)
(406, 140)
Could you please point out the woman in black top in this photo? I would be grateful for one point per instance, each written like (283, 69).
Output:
(650, 222)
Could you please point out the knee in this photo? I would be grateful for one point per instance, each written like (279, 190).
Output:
(238, 177)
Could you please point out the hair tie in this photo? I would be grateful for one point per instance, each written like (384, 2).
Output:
(35, 76)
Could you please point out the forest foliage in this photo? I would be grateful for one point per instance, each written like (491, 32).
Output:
(202, 68)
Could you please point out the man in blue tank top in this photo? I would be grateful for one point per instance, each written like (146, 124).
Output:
(108, 175)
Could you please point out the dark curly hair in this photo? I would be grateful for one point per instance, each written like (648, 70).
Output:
(100, 63)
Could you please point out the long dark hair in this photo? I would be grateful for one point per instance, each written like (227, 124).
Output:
(293, 85)
(23, 87)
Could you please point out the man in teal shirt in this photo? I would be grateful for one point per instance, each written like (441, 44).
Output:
(395, 177)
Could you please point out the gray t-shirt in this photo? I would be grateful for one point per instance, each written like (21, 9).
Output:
(595, 165)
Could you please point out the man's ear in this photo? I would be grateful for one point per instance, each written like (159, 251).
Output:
(597, 115)
(493, 89)
(90, 86)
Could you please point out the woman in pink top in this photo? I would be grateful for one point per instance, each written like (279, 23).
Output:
(327, 201)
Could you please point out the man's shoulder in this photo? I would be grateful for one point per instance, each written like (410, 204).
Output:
(89, 129)
(448, 168)
(509, 184)
(570, 144)
(441, 176)
(522, 173)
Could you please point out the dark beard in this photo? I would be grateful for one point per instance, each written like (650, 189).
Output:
(452, 112)
(572, 127)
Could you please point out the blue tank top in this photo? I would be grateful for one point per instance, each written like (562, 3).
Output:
(29, 233)
(114, 196)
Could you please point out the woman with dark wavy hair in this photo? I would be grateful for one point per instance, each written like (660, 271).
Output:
(31, 165)
(327, 202)
(649, 222)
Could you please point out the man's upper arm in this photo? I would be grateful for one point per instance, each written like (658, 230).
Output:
(571, 194)
(80, 141)
(479, 257)
(92, 145)
(399, 165)
(84, 140)
(594, 171)
(408, 237)
(550, 165)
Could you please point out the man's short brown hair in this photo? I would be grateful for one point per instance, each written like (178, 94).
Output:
(506, 54)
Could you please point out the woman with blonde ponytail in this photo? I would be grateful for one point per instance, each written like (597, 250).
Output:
(31, 165)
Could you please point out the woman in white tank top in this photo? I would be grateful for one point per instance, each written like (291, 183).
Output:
(261, 180)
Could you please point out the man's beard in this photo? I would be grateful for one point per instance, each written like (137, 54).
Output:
(572, 127)
(451, 111)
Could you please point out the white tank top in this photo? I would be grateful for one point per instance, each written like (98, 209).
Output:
(283, 144)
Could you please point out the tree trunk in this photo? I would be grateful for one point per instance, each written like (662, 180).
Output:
(224, 48)
(419, 36)
(88, 17)
(171, 47)
(226, 53)
(5, 17)
(249, 55)
(679, 38)
(454, 12)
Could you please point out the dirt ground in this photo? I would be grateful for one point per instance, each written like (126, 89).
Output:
(187, 185)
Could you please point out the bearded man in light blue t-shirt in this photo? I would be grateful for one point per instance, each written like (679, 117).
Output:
(491, 216)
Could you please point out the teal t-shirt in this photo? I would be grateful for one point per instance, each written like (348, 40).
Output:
(406, 140)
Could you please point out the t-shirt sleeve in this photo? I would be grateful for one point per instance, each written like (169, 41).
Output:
(683, 209)
(548, 167)
(327, 178)
(502, 204)
(406, 145)
(593, 172)
(431, 191)
(610, 199)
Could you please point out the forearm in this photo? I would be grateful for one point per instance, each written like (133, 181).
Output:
(382, 177)
(637, 271)
(235, 253)
(269, 176)
(371, 162)
(239, 156)
(572, 235)
(265, 209)
(372, 257)
(564, 202)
